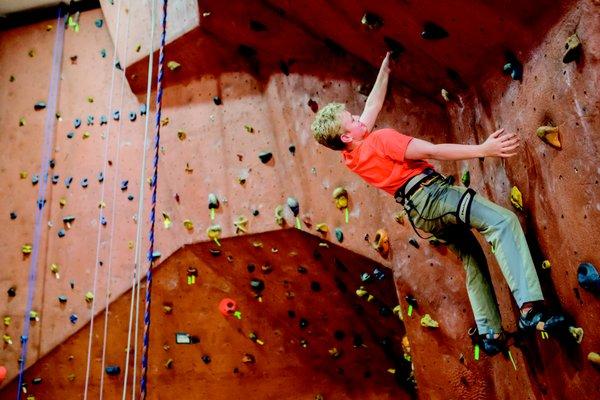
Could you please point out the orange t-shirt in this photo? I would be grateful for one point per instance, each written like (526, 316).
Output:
(379, 160)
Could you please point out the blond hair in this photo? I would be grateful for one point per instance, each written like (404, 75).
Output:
(327, 127)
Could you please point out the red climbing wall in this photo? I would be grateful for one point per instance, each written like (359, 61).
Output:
(267, 84)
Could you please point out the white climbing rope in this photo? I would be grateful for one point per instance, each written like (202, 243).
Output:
(135, 288)
(100, 214)
(113, 219)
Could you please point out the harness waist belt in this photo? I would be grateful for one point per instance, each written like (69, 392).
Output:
(414, 184)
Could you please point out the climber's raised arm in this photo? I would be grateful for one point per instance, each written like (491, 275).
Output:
(377, 95)
(496, 145)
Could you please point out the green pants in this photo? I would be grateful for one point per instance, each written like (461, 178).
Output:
(432, 209)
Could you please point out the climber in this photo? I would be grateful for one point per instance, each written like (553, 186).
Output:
(395, 163)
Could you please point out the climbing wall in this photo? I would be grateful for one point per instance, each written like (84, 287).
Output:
(291, 326)
(242, 88)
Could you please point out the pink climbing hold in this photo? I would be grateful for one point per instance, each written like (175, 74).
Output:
(2, 373)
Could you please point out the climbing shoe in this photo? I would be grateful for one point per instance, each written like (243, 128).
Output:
(588, 277)
(529, 321)
(491, 345)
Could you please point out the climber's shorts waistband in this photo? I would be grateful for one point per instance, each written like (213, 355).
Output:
(414, 184)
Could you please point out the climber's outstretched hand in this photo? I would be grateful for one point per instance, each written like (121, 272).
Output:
(500, 144)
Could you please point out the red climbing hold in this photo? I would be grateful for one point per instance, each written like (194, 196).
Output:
(2, 373)
(227, 307)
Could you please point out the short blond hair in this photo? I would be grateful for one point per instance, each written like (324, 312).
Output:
(327, 127)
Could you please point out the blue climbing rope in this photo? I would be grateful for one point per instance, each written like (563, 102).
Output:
(154, 182)
(39, 211)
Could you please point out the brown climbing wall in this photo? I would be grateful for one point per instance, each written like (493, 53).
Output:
(314, 335)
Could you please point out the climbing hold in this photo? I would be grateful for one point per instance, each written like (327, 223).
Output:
(371, 20)
(227, 307)
(86, 134)
(13, 215)
(322, 228)
(113, 370)
(378, 274)
(68, 181)
(166, 220)
(217, 100)
(398, 311)
(432, 31)
(445, 95)
(303, 323)
(549, 134)
(257, 285)
(192, 274)
(143, 109)
(188, 224)
(254, 337)
(340, 196)
(361, 292)
(466, 178)
(265, 156)
(181, 135)
(76, 123)
(206, 359)
(62, 298)
(116, 115)
(100, 176)
(365, 277)
(73, 318)
(124, 185)
(165, 121)
(84, 183)
(429, 322)
(577, 333)
(26, 249)
(588, 277)
(89, 297)
(90, 99)
(573, 49)
(513, 67)
(55, 179)
(7, 339)
(516, 198)
(214, 233)
(7, 321)
(241, 224)
(34, 316)
(132, 116)
(382, 243)
(12, 291)
(413, 243)
(103, 220)
(157, 254)
(173, 65)
(248, 359)
(118, 66)
(249, 128)
(594, 357)
(546, 264)
(90, 120)
(292, 149)
(70, 135)
(167, 308)
(103, 53)
(293, 205)
(40, 105)
(99, 22)
(55, 269)
(314, 106)
(339, 235)
(186, 338)
(22, 121)
(279, 215)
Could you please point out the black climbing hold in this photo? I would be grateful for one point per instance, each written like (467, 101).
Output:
(284, 67)
(257, 285)
(100, 176)
(217, 100)
(339, 235)
(70, 135)
(55, 179)
(36, 381)
(302, 270)
(68, 181)
(99, 22)
(396, 48)
(513, 66)
(379, 274)
(357, 340)
(12, 291)
(61, 233)
(13, 215)
(250, 267)
(52, 163)
(385, 311)
(432, 31)
(246, 51)
(130, 197)
(265, 156)
(303, 323)
(62, 298)
(118, 65)
(68, 219)
(292, 149)
(314, 106)
(124, 185)
(257, 26)
(588, 277)
(335, 48)
(293, 205)
(315, 286)
(291, 313)
(413, 242)
(77, 123)
(40, 105)
(113, 370)
(103, 120)
(365, 277)
(372, 21)
(255, 212)
(206, 359)
(339, 335)
(143, 109)
(84, 182)
(116, 115)
(90, 120)
(573, 49)
(132, 116)
(411, 300)
(72, 284)
(215, 252)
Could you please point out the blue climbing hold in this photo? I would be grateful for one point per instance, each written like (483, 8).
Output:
(143, 109)
(100, 177)
(99, 22)
(116, 115)
(90, 120)
(103, 220)
(73, 318)
(103, 120)
(35, 179)
(113, 370)
(124, 185)
(84, 182)
(77, 123)
(61, 233)
(588, 277)
(132, 116)
(68, 181)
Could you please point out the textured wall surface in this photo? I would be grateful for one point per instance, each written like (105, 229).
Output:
(266, 73)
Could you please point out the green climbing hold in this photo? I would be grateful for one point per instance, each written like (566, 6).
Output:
(466, 178)
(173, 65)
(429, 322)
(99, 22)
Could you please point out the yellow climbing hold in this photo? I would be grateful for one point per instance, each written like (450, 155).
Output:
(34, 315)
(382, 243)
(398, 311)
(138, 48)
(429, 322)
(188, 169)
(577, 333)
(7, 339)
(181, 134)
(102, 205)
(89, 296)
(188, 224)
(167, 220)
(549, 134)
(86, 134)
(214, 233)
(546, 264)
(62, 202)
(90, 99)
(592, 356)
(22, 121)
(55, 269)
(257, 244)
(361, 292)
(241, 224)
(516, 198)
(48, 28)
(164, 121)
(130, 245)
(173, 65)
(322, 228)
(340, 196)
(26, 249)
(7, 321)
(279, 215)
(399, 217)
(249, 128)
(23, 174)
